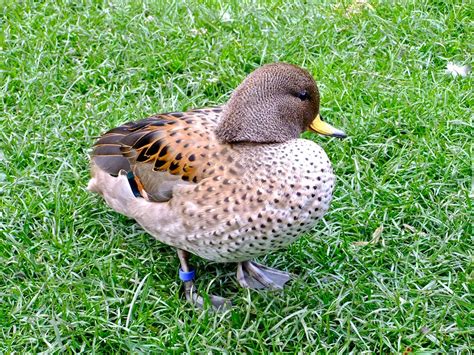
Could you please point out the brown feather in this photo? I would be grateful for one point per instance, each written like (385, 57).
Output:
(178, 144)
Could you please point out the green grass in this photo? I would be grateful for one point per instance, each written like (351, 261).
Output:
(75, 276)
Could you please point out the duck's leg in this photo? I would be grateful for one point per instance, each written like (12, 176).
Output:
(256, 276)
(186, 274)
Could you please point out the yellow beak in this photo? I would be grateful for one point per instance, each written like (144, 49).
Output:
(321, 127)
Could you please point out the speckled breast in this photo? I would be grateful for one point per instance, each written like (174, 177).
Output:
(285, 189)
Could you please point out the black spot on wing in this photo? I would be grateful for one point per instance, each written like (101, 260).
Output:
(160, 123)
(139, 139)
(146, 139)
(174, 165)
(154, 147)
(159, 164)
(163, 152)
(142, 157)
(132, 138)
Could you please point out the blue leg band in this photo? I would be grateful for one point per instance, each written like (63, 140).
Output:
(187, 276)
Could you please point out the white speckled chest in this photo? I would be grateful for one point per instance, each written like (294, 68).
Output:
(286, 188)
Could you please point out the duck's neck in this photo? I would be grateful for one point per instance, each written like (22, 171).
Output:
(251, 126)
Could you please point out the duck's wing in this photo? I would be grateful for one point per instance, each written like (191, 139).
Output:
(162, 151)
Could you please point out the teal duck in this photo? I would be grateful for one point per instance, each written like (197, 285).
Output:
(228, 183)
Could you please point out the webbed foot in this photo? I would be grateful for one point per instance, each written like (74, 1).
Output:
(255, 276)
(216, 303)
(186, 274)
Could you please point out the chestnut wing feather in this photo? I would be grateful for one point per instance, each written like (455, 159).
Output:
(161, 150)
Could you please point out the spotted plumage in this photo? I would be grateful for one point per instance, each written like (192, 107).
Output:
(228, 183)
(177, 144)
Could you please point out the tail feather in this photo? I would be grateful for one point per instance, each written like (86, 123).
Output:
(107, 155)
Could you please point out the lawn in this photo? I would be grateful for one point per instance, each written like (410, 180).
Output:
(75, 276)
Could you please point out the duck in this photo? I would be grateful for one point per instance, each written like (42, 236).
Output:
(227, 183)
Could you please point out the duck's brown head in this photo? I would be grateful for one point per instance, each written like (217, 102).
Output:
(275, 103)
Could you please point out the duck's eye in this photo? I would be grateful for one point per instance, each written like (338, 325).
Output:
(303, 95)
